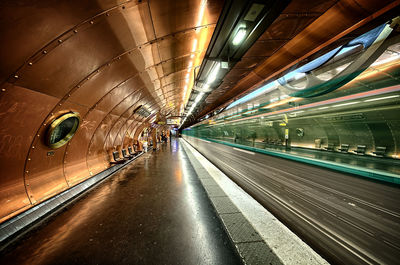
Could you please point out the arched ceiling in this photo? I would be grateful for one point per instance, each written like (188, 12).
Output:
(56, 47)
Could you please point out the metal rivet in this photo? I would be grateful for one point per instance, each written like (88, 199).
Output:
(29, 159)
(16, 76)
(3, 89)
(69, 95)
(30, 63)
(27, 171)
(91, 22)
(27, 184)
(78, 86)
(107, 14)
(119, 57)
(59, 41)
(75, 31)
(44, 52)
(33, 147)
(59, 104)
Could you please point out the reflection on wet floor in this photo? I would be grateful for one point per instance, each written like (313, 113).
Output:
(154, 211)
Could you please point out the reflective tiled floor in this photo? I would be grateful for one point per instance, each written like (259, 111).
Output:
(154, 211)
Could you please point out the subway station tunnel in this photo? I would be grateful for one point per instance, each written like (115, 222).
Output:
(200, 132)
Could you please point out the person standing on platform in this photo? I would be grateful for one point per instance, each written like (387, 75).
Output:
(145, 146)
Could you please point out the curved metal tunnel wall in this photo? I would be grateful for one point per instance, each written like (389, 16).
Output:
(67, 56)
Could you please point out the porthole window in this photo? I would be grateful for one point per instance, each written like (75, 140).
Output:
(62, 129)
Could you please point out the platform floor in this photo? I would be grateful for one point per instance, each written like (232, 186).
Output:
(154, 211)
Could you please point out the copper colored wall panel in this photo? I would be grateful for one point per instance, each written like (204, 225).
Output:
(94, 89)
(46, 178)
(75, 166)
(125, 89)
(96, 156)
(21, 113)
(71, 61)
(111, 134)
(33, 20)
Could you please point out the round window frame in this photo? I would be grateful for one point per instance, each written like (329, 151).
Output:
(57, 122)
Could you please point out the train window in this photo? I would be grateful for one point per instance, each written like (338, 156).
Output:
(300, 132)
(62, 129)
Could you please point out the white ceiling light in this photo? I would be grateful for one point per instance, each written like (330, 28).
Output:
(198, 98)
(211, 78)
(239, 37)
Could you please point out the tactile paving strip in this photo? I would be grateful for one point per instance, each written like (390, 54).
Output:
(239, 228)
(214, 191)
(224, 205)
(208, 182)
(255, 253)
(249, 244)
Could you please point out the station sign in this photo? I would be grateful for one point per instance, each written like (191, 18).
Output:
(173, 121)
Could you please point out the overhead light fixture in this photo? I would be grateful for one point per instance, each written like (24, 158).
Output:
(224, 65)
(239, 37)
(211, 78)
(198, 98)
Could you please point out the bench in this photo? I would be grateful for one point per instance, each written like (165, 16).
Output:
(344, 148)
(131, 152)
(360, 149)
(117, 159)
(330, 147)
(126, 155)
(380, 151)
